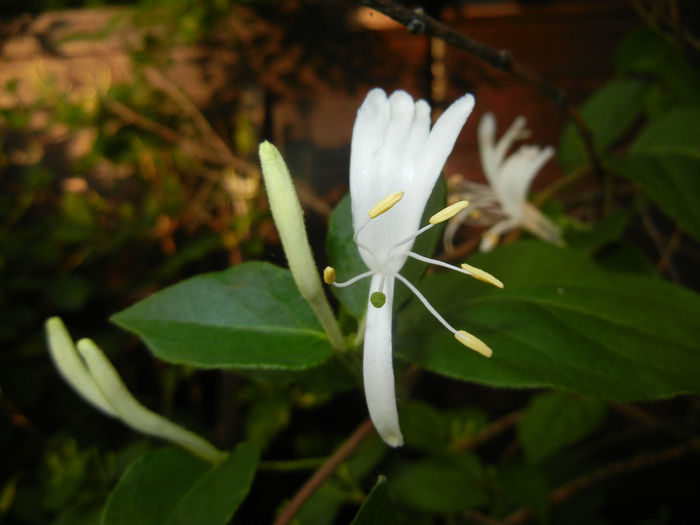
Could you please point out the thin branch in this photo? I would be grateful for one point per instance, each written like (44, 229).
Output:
(558, 185)
(616, 468)
(162, 82)
(657, 19)
(658, 239)
(418, 22)
(492, 429)
(291, 465)
(636, 413)
(16, 416)
(665, 262)
(462, 251)
(132, 117)
(316, 480)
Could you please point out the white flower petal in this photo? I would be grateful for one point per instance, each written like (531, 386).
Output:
(401, 117)
(540, 225)
(367, 140)
(439, 144)
(516, 131)
(378, 367)
(420, 129)
(490, 238)
(486, 135)
(517, 173)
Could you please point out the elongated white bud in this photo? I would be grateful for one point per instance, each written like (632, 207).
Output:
(289, 219)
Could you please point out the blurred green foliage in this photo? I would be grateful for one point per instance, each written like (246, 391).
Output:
(97, 209)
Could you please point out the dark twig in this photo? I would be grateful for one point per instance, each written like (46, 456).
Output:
(16, 417)
(316, 480)
(462, 251)
(417, 22)
(132, 117)
(209, 136)
(616, 468)
(492, 429)
(665, 262)
(661, 245)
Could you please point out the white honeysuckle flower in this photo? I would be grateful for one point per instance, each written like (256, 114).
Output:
(395, 161)
(503, 204)
(88, 371)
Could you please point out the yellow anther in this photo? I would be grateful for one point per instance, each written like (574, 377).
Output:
(329, 275)
(448, 212)
(476, 213)
(385, 204)
(474, 343)
(481, 275)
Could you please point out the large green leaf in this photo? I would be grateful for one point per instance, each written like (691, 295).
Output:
(250, 315)
(169, 486)
(665, 161)
(344, 257)
(560, 321)
(608, 113)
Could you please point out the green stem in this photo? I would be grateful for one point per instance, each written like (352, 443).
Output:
(292, 464)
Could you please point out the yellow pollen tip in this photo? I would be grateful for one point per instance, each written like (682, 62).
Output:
(448, 212)
(385, 204)
(473, 342)
(329, 275)
(481, 275)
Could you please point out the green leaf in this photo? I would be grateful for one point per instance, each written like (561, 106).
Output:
(521, 485)
(665, 161)
(267, 416)
(677, 133)
(608, 113)
(377, 509)
(169, 486)
(216, 495)
(423, 426)
(344, 257)
(561, 321)
(622, 256)
(645, 53)
(601, 233)
(249, 316)
(554, 420)
(441, 485)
